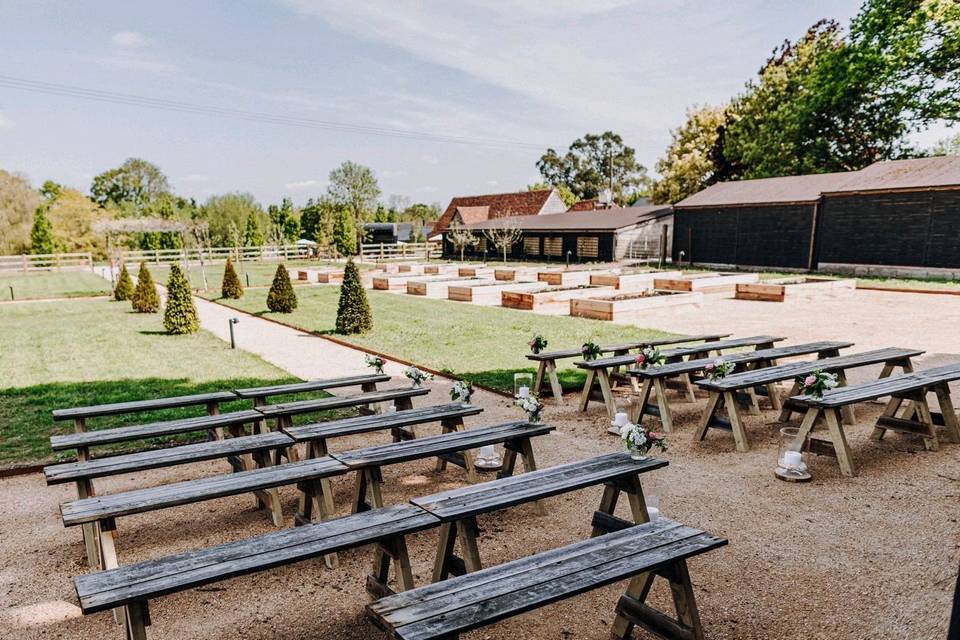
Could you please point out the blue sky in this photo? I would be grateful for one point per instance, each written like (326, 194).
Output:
(523, 71)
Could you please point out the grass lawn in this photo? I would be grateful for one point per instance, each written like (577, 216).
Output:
(258, 274)
(81, 352)
(52, 284)
(486, 345)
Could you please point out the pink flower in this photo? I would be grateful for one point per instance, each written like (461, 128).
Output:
(710, 367)
(809, 381)
(640, 359)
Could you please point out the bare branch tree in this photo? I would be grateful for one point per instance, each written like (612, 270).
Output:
(460, 237)
(504, 235)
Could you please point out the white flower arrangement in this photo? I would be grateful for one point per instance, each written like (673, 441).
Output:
(817, 383)
(461, 391)
(719, 369)
(416, 376)
(638, 439)
(375, 362)
(531, 405)
(650, 357)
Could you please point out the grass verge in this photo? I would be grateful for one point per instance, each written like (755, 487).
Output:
(52, 284)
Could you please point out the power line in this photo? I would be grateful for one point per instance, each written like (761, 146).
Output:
(129, 99)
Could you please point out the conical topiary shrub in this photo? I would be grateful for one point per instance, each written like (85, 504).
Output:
(353, 312)
(124, 289)
(145, 297)
(180, 316)
(231, 287)
(281, 298)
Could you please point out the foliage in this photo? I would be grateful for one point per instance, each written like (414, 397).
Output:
(344, 232)
(504, 236)
(285, 220)
(563, 191)
(167, 207)
(180, 316)
(687, 166)
(643, 440)
(228, 213)
(318, 221)
(353, 309)
(416, 376)
(719, 369)
(591, 351)
(531, 405)
(41, 233)
(73, 216)
(537, 343)
(18, 201)
(460, 237)
(355, 187)
(818, 382)
(650, 357)
(231, 287)
(145, 297)
(461, 391)
(136, 182)
(124, 289)
(586, 167)
(252, 236)
(281, 297)
(375, 362)
(947, 147)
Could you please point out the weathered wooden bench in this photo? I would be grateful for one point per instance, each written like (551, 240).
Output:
(724, 392)
(285, 411)
(547, 360)
(132, 586)
(80, 415)
(654, 378)
(458, 509)
(452, 448)
(660, 548)
(908, 397)
(259, 395)
(598, 371)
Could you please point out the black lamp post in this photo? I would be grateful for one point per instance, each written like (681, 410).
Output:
(233, 341)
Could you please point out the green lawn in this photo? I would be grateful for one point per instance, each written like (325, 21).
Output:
(486, 345)
(258, 274)
(52, 284)
(81, 352)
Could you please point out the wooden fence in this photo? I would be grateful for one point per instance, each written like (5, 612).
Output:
(46, 262)
(401, 251)
(213, 254)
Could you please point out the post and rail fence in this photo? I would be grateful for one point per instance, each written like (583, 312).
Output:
(27, 262)
(212, 254)
(380, 252)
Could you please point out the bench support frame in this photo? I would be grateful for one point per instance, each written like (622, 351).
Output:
(632, 609)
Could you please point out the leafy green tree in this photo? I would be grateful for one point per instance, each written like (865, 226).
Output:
(18, 202)
(252, 235)
(281, 298)
(231, 287)
(353, 310)
(73, 216)
(355, 187)
(41, 233)
(226, 212)
(344, 233)
(586, 168)
(124, 289)
(419, 211)
(136, 182)
(179, 316)
(562, 190)
(947, 147)
(687, 166)
(284, 218)
(145, 297)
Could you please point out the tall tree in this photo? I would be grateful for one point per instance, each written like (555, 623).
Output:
(18, 201)
(947, 147)
(344, 232)
(135, 184)
(73, 216)
(252, 235)
(220, 211)
(687, 166)
(591, 164)
(318, 221)
(355, 186)
(41, 234)
(285, 219)
(562, 190)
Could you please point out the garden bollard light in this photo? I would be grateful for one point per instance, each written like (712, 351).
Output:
(248, 278)
(569, 253)
(233, 342)
(12, 297)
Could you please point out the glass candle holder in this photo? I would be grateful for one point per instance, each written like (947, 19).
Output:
(522, 384)
(791, 455)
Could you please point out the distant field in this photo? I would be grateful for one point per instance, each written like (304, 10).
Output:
(52, 284)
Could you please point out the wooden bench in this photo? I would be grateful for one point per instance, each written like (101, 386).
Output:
(547, 360)
(458, 509)
(661, 548)
(259, 395)
(132, 586)
(79, 415)
(654, 378)
(908, 398)
(599, 370)
(285, 411)
(724, 392)
(452, 448)
(102, 511)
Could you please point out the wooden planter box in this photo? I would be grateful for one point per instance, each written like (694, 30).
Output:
(475, 272)
(307, 275)
(801, 288)
(412, 268)
(519, 274)
(630, 306)
(631, 281)
(551, 300)
(564, 278)
(706, 282)
(437, 288)
(392, 282)
(330, 277)
(487, 292)
(441, 269)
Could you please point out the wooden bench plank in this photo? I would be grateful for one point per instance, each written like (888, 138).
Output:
(883, 387)
(336, 402)
(138, 406)
(151, 430)
(679, 352)
(154, 459)
(310, 385)
(154, 578)
(564, 354)
(190, 491)
(365, 424)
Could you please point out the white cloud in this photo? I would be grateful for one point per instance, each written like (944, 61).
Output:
(5, 122)
(128, 39)
(305, 184)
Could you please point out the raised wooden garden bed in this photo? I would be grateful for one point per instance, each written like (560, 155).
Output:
(800, 288)
(630, 306)
(437, 288)
(516, 274)
(487, 292)
(552, 300)
(566, 278)
(444, 268)
(397, 281)
(710, 282)
(417, 269)
(330, 277)
(631, 280)
(475, 272)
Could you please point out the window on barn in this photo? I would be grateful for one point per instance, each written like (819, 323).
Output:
(482, 245)
(553, 246)
(531, 246)
(588, 247)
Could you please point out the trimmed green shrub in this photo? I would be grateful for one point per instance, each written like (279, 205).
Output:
(124, 289)
(180, 316)
(281, 298)
(231, 287)
(145, 297)
(353, 312)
